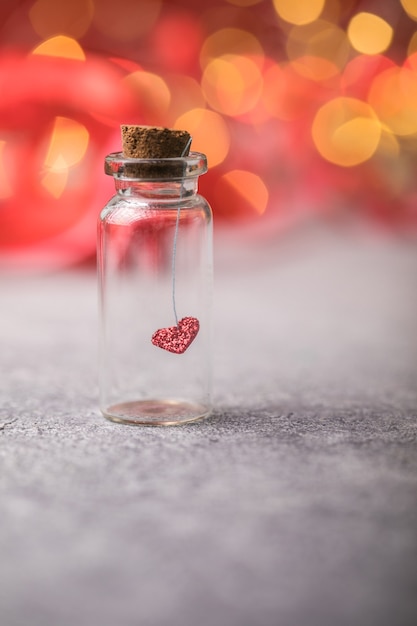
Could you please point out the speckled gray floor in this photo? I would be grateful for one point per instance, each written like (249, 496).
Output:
(294, 505)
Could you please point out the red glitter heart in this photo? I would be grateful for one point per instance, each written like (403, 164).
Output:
(177, 338)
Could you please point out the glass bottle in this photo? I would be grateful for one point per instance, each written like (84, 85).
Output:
(155, 288)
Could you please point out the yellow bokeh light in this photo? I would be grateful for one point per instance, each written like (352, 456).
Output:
(55, 180)
(49, 17)
(125, 20)
(68, 144)
(299, 11)
(319, 50)
(346, 131)
(209, 132)
(410, 7)
(412, 46)
(369, 34)
(151, 90)
(231, 41)
(393, 95)
(67, 147)
(5, 187)
(232, 84)
(60, 46)
(250, 186)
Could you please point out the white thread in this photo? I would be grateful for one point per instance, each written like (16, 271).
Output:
(174, 247)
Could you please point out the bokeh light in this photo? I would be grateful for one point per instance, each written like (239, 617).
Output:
(360, 72)
(346, 131)
(299, 11)
(410, 7)
(209, 132)
(393, 95)
(230, 41)
(151, 91)
(369, 33)
(232, 84)
(68, 144)
(60, 46)
(412, 46)
(301, 103)
(243, 191)
(318, 50)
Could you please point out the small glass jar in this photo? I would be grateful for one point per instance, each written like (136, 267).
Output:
(154, 272)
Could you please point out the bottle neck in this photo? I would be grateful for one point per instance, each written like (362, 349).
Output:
(158, 190)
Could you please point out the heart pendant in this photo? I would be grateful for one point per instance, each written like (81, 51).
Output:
(177, 338)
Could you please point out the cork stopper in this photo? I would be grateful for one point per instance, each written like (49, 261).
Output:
(154, 142)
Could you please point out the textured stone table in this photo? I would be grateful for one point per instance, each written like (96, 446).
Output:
(294, 505)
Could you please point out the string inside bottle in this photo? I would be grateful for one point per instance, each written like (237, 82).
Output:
(174, 246)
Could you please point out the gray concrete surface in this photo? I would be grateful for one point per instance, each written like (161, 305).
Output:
(294, 505)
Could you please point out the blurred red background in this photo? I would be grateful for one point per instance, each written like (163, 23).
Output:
(304, 108)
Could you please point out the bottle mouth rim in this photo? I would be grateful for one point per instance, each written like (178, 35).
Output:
(121, 167)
